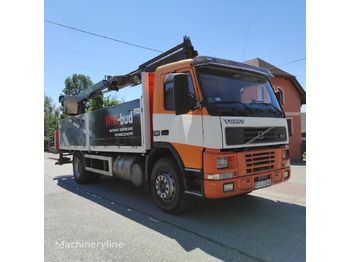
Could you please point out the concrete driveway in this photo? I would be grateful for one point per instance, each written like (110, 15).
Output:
(113, 220)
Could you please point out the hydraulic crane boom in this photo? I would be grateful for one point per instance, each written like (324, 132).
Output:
(75, 104)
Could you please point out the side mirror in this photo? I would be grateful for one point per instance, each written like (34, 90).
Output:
(181, 90)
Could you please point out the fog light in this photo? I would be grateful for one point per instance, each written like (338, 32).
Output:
(286, 174)
(228, 187)
(221, 162)
(287, 164)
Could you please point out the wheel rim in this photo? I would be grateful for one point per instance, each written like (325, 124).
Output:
(165, 186)
(77, 168)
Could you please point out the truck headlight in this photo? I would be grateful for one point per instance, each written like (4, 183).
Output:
(221, 162)
(285, 154)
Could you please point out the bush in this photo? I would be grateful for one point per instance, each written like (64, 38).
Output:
(51, 116)
(46, 141)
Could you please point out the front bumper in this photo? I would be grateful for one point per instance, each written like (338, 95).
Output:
(247, 168)
(241, 185)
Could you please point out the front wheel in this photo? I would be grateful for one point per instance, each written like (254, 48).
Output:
(167, 186)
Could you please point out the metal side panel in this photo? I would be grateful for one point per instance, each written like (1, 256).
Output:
(117, 128)
(109, 161)
(119, 149)
(73, 133)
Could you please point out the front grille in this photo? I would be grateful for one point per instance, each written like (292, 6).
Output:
(253, 135)
(258, 162)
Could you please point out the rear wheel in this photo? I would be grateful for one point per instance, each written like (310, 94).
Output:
(167, 186)
(81, 176)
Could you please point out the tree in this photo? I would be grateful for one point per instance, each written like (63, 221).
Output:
(94, 103)
(51, 117)
(75, 84)
(110, 101)
(101, 102)
(106, 102)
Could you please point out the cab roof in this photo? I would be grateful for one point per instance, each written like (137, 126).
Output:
(207, 60)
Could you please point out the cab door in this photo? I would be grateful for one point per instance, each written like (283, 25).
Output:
(183, 132)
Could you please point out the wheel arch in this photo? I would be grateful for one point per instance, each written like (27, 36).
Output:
(161, 150)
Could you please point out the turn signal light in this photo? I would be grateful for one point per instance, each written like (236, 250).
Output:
(220, 176)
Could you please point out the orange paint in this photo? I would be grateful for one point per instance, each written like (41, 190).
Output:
(252, 162)
(246, 166)
(190, 155)
(151, 93)
(214, 188)
(210, 157)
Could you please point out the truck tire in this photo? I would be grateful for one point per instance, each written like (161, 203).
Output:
(167, 186)
(81, 176)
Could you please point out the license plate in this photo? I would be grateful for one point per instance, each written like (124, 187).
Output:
(262, 184)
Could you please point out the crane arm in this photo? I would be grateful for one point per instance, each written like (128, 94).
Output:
(75, 104)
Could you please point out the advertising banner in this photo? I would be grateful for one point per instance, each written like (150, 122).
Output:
(73, 131)
(118, 126)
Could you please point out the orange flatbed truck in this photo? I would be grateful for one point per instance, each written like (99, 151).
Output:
(204, 126)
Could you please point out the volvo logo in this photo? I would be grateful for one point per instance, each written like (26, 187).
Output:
(234, 121)
(260, 135)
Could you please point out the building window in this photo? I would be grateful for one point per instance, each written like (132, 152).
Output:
(280, 95)
(261, 94)
(290, 126)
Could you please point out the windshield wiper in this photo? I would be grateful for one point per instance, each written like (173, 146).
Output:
(269, 104)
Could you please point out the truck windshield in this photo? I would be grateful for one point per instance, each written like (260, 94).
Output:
(232, 92)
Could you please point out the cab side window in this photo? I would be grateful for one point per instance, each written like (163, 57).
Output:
(190, 83)
(169, 103)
